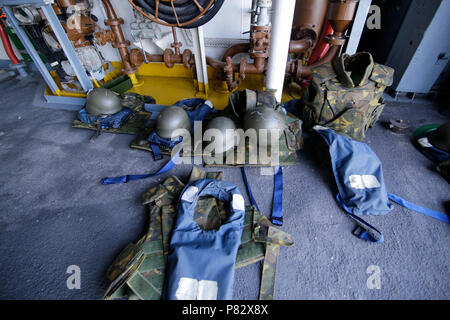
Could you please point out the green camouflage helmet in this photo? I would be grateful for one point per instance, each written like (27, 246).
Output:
(171, 119)
(226, 128)
(265, 118)
(102, 102)
(440, 138)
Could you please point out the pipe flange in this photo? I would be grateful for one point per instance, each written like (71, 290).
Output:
(168, 53)
(137, 58)
(129, 71)
(114, 22)
(125, 44)
(187, 57)
(335, 41)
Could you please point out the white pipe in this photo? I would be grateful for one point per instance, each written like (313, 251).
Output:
(200, 56)
(282, 17)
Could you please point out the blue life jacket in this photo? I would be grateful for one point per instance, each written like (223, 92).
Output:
(201, 265)
(196, 108)
(359, 178)
(111, 121)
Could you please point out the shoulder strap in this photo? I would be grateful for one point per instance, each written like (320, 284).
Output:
(125, 179)
(414, 207)
(277, 206)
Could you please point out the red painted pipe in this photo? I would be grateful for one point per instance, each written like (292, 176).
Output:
(323, 47)
(7, 44)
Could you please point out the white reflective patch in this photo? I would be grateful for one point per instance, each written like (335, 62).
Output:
(207, 290)
(364, 181)
(209, 104)
(189, 194)
(192, 289)
(187, 289)
(425, 143)
(238, 202)
(318, 128)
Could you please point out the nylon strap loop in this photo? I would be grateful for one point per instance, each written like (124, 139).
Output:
(414, 207)
(124, 179)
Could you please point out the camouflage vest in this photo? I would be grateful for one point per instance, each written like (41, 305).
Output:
(346, 95)
(139, 270)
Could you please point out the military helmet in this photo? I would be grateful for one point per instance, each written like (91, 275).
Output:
(265, 118)
(227, 128)
(440, 138)
(171, 119)
(102, 102)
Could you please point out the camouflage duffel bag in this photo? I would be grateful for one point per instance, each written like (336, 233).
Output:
(346, 95)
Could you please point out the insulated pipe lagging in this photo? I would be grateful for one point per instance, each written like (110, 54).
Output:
(7, 44)
(282, 17)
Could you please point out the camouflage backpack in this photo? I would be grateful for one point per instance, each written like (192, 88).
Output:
(346, 95)
(139, 270)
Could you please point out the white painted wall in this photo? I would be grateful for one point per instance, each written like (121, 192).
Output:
(225, 29)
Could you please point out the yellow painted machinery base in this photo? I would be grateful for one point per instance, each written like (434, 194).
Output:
(169, 85)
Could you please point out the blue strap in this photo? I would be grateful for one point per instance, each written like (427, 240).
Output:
(411, 206)
(364, 230)
(156, 152)
(277, 206)
(249, 190)
(124, 179)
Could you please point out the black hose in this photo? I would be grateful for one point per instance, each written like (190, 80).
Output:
(186, 11)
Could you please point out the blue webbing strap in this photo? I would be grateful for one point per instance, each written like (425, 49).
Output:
(411, 206)
(249, 190)
(156, 151)
(364, 230)
(124, 179)
(277, 206)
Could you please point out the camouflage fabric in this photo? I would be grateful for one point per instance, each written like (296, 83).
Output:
(290, 142)
(135, 123)
(346, 95)
(138, 272)
(240, 102)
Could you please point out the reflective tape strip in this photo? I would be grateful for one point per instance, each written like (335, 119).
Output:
(366, 181)
(189, 194)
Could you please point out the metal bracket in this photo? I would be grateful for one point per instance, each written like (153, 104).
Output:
(66, 45)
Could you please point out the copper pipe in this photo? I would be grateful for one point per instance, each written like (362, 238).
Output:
(302, 71)
(154, 57)
(175, 43)
(219, 65)
(120, 43)
(310, 14)
(299, 46)
(236, 49)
